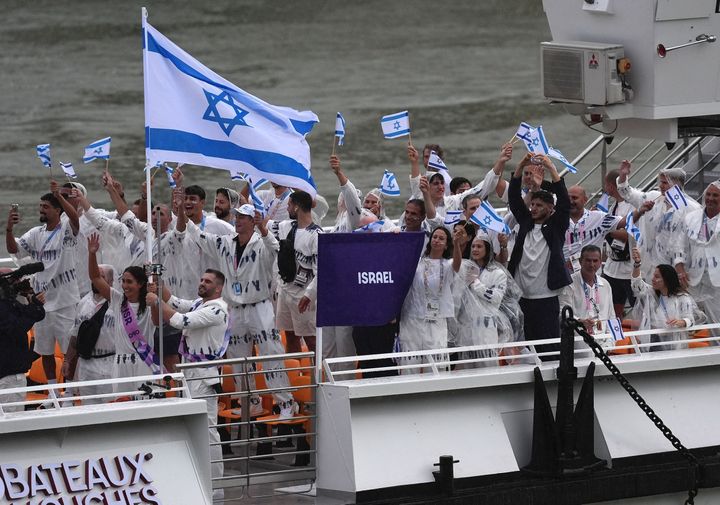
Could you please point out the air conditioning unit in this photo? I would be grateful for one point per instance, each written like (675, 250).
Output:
(581, 72)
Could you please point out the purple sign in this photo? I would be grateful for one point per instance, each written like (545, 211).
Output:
(363, 277)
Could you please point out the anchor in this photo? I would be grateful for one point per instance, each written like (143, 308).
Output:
(564, 444)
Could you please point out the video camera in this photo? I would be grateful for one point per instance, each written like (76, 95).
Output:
(11, 286)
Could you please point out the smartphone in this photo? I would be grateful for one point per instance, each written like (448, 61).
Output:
(14, 207)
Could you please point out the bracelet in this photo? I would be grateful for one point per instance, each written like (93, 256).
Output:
(637, 265)
(502, 247)
(143, 197)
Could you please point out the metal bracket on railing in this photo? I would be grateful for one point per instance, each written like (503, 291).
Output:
(662, 50)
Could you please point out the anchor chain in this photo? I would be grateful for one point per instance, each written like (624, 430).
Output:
(622, 380)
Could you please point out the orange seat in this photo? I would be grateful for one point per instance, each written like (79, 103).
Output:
(302, 396)
(37, 375)
(700, 334)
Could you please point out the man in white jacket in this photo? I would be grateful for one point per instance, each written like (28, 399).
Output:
(246, 259)
(661, 226)
(699, 256)
(203, 322)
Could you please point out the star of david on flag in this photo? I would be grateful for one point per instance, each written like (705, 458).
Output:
(631, 228)
(389, 184)
(193, 115)
(395, 125)
(100, 149)
(676, 197)
(603, 204)
(68, 169)
(615, 329)
(43, 152)
(452, 217)
(340, 128)
(486, 217)
(536, 143)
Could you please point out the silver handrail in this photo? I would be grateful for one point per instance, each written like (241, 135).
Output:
(584, 153)
(599, 163)
(683, 152)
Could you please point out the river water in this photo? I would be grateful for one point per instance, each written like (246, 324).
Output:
(468, 71)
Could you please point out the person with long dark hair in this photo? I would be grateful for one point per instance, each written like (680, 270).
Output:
(662, 304)
(429, 303)
(134, 330)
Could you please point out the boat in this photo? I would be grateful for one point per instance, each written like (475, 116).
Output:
(630, 427)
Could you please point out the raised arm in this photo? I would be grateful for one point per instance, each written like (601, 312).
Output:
(13, 219)
(430, 211)
(112, 189)
(460, 239)
(69, 210)
(96, 277)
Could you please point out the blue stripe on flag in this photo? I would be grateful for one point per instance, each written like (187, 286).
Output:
(396, 134)
(302, 127)
(99, 143)
(400, 115)
(269, 162)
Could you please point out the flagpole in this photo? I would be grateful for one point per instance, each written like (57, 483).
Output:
(334, 141)
(107, 164)
(148, 187)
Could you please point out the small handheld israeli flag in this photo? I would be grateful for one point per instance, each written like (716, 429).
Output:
(68, 169)
(434, 161)
(389, 184)
(486, 217)
(43, 152)
(170, 171)
(340, 128)
(452, 217)
(396, 125)
(100, 149)
(523, 132)
(631, 228)
(615, 329)
(554, 153)
(604, 203)
(536, 143)
(256, 201)
(374, 227)
(676, 197)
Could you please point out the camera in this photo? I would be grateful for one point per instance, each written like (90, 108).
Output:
(10, 284)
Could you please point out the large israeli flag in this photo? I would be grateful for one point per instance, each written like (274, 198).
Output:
(486, 217)
(193, 115)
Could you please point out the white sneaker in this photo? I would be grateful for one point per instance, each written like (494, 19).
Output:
(289, 411)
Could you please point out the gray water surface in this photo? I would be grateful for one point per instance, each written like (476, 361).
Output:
(467, 70)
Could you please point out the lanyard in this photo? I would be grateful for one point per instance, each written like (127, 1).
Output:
(664, 307)
(426, 282)
(47, 240)
(279, 201)
(708, 233)
(576, 233)
(592, 302)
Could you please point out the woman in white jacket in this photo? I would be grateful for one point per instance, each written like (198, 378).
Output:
(486, 299)
(662, 304)
(429, 303)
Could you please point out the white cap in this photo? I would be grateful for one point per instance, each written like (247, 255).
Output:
(245, 210)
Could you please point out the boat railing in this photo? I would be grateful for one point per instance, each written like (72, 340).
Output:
(500, 358)
(61, 395)
(245, 429)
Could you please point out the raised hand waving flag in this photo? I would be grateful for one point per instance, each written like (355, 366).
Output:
(389, 184)
(43, 152)
(603, 204)
(340, 128)
(68, 169)
(396, 125)
(486, 217)
(256, 201)
(100, 149)
(536, 143)
(631, 228)
(193, 115)
(676, 197)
